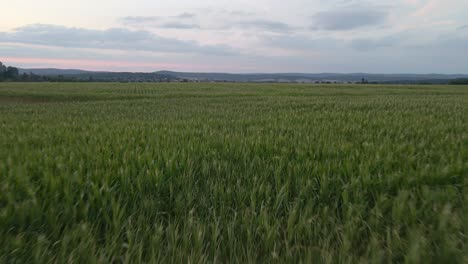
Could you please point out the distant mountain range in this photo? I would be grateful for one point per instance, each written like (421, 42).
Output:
(254, 77)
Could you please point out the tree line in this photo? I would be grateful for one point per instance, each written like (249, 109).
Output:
(8, 72)
(459, 82)
(12, 74)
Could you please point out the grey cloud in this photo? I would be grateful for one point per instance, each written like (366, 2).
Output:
(348, 18)
(233, 13)
(114, 38)
(372, 44)
(267, 25)
(404, 40)
(463, 27)
(179, 25)
(410, 41)
(453, 42)
(297, 42)
(186, 15)
(138, 19)
(232, 20)
(142, 20)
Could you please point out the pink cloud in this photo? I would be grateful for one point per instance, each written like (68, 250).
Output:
(97, 65)
(119, 65)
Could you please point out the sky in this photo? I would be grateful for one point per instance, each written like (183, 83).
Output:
(241, 36)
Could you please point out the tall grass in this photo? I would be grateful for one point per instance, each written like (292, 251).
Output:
(98, 173)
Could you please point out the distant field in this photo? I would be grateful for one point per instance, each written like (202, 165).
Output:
(108, 172)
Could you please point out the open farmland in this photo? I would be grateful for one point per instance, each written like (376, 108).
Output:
(107, 172)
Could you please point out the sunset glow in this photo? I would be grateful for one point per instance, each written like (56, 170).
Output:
(238, 36)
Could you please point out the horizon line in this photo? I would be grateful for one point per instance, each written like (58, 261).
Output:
(238, 73)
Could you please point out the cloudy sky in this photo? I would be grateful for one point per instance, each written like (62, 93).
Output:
(398, 36)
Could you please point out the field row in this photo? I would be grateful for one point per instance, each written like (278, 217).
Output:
(232, 173)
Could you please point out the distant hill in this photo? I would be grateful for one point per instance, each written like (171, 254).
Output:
(253, 77)
(314, 77)
(52, 71)
(81, 75)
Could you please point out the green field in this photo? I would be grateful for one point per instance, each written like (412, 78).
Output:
(238, 173)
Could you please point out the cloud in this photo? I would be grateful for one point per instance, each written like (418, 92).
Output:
(453, 42)
(298, 42)
(180, 21)
(225, 20)
(38, 56)
(267, 25)
(239, 13)
(186, 15)
(139, 19)
(463, 27)
(114, 38)
(349, 18)
(154, 20)
(179, 25)
(366, 44)
(414, 41)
